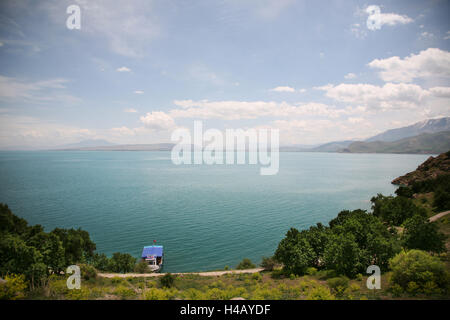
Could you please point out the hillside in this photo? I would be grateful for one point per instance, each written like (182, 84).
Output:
(426, 126)
(425, 143)
(430, 169)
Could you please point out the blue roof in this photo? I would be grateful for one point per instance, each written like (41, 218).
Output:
(152, 251)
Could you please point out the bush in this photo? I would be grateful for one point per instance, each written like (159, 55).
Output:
(334, 283)
(311, 271)
(124, 292)
(245, 264)
(268, 264)
(141, 267)
(257, 276)
(326, 274)
(155, 294)
(421, 268)
(338, 285)
(87, 272)
(320, 293)
(13, 287)
(167, 280)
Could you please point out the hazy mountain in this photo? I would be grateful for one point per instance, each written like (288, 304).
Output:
(332, 146)
(85, 144)
(126, 147)
(432, 143)
(427, 126)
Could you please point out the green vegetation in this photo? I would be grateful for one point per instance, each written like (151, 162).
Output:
(245, 264)
(416, 271)
(322, 262)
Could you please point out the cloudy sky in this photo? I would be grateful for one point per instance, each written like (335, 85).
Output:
(137, 69)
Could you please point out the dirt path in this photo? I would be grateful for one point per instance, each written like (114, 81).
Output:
(439, 215)
(203, 274)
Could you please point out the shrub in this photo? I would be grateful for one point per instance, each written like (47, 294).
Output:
(155, 294)
(320, 293)
(245, 264)
(418, 267)
(277, 274)
(87, 271)
(311, 271)
(334, 283)
(359, 277)
(141, 267)
(13, 287)
(167, 280)
(396, 290)
(124, 292)
(268, 263)
(78, 294)
(257, 276)
(326, 274)
(338, 284)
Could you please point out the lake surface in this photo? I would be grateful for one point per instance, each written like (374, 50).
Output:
(206, 217)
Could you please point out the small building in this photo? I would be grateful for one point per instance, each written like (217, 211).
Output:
(153, 255)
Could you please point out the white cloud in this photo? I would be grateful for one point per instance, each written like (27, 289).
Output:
(349, 76)
(123, 69)
(426, 35)
(441, 92)
(36, 91)
(158, 121)
(302, 90)
(432, 62)
(377, 19)
(236, 110)
(130, 110)
(389, 96)
(358, 31)
(139, 92)
(283, 89)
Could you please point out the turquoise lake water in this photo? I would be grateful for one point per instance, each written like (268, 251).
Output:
(206, 217)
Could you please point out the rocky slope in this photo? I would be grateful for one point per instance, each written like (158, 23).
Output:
(430, 169)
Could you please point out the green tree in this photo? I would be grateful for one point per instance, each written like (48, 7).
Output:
(343, 255)
(395, 210)
(100, 261)
(245, 264)
(424, 235)
(78, 247)
(442, 198)
(295, 252)
(121, 262)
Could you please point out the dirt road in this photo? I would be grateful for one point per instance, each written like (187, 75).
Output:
(203, 274)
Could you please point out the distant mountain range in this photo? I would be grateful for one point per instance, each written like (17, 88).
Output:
(85, 144)
(428, 143)
(429, 136)
(427, 126)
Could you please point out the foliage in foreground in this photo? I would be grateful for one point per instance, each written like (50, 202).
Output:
(416, 271)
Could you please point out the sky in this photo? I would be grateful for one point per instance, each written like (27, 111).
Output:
(136, 70)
